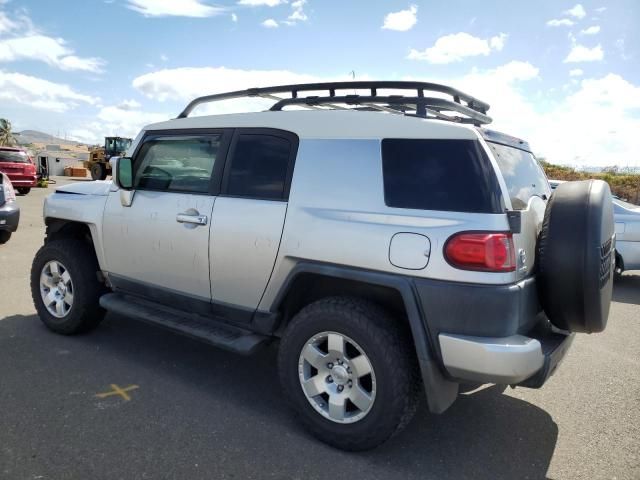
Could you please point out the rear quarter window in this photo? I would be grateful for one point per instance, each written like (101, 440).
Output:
(448, 175)
(522, 173)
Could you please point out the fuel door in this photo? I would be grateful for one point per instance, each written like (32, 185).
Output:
(409, 251)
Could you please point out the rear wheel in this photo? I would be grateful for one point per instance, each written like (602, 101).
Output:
(349, 371)
(98, 171)
(65, 287)
(23, 190)
(4, 236)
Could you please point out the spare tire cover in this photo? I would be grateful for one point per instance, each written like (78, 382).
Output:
(575, 256)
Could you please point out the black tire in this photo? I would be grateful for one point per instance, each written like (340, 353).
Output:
(80, 261)
(98, 171)
(575, 257)
(619, 267)
(23, 190)
(4, 236)
(388, 344)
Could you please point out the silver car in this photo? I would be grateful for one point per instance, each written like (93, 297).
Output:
(627, 218)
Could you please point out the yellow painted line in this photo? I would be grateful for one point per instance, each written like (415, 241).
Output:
(116, 390)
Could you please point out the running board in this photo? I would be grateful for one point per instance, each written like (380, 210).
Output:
(195, 326)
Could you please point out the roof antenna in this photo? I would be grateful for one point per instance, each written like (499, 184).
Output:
(353, 77)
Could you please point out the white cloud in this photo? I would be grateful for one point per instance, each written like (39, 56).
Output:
(260, 3)
(564, 22)
(185, 84)
(22, 41)
(189, 82)
(297, 14)
(593, 125)
(497, 42)
(6, 24)
(39, 93)
(401, 21)
(234, 17)
(580, 53)
(576, 72)
(591, 30)
(164, 58)
(115, 120)
(183, 8)
(457, 46)
(601, 9)
(577, 11)
(270, 23)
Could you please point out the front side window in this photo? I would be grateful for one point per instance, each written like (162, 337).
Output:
(259, 167)
(522, 173)
(179, 164)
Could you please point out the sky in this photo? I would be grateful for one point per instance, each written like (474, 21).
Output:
(564, 76)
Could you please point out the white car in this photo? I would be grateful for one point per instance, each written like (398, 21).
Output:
(627, 218)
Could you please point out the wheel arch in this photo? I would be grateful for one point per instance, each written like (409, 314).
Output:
(57, 228)
(310, 281)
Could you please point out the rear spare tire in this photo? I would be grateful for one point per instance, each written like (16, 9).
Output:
(576, 256)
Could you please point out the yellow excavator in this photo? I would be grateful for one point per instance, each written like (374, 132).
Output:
(98, 163)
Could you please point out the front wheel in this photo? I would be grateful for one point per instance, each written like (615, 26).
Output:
(24, 190)
(98, 171)
(65, 286)
(349, 371)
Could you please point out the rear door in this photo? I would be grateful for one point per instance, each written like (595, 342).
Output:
(529, 191)
(249, 216)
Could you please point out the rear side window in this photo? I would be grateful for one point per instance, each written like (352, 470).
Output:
(522, 173)
(259, 167)
(449, 175)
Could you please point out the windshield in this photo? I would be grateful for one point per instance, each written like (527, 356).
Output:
(122, 144)
(12, 156)
(522, 173)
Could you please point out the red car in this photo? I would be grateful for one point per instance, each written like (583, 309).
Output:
(19, 167)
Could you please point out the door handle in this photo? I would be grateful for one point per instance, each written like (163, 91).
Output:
(191, 218)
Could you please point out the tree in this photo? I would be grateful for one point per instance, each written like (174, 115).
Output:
(7, 137)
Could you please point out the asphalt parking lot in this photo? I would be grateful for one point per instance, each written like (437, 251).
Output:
(197, 412)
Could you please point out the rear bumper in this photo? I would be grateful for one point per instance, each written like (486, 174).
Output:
(517, 359)
(491, 333)
(23, 180)
(9, 216)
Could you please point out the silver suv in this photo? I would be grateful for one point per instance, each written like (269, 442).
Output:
(377, 231)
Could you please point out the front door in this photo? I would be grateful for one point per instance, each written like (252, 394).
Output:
(159, 246)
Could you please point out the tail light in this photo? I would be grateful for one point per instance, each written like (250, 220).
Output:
(30, 169)
(9, 192)
(487, 251)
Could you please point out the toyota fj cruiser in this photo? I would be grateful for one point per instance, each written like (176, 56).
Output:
(377, 230)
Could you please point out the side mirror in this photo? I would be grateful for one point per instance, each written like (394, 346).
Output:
(124, 173)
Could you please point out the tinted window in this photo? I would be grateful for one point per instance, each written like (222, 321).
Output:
(8, 156)
(181, 164)
(259, 166)
(522, 173)
(450, 175)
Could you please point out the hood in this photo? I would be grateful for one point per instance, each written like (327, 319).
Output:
(98, 187)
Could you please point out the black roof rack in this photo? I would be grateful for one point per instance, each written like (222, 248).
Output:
(470, 109)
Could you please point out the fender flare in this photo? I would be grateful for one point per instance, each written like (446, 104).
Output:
(441, 392)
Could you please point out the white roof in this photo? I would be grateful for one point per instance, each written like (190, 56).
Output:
(330, 124)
